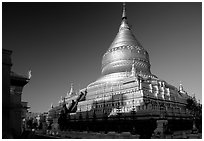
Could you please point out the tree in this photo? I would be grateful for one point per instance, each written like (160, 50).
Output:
(194, 108)
(196, 111)
(29, 123)
(62, 120)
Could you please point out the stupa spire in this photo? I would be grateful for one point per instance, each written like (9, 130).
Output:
(124, 23)
(124, 11)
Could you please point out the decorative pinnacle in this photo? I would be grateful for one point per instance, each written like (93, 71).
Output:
(71, 90)
(29, 74)
(124, 11)
(133, 68)
(133, 65)
(52, 105)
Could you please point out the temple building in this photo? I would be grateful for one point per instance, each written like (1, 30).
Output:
(126, 91)
(13, 108)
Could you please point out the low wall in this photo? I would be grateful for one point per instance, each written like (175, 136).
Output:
(94, 135)
(181, 135)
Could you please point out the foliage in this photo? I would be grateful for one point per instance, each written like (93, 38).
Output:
(62, 119)
(194, 108)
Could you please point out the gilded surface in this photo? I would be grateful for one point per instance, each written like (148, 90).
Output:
(117, 61)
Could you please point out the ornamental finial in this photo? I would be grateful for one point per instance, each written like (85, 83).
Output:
(52, 106)
(71, 90)
(29, 74)
(124, 11)
(181, 87)
(133, 68)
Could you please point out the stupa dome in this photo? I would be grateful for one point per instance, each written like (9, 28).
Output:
(123, 51)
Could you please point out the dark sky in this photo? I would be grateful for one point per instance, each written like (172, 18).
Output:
(64, 43)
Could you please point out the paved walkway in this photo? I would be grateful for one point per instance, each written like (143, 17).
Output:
(94, 135)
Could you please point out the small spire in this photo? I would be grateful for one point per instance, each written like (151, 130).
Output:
(71, 90)
(52, 106)
(29, 74)
(133, 68)
(181, 87)
(124, 11)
